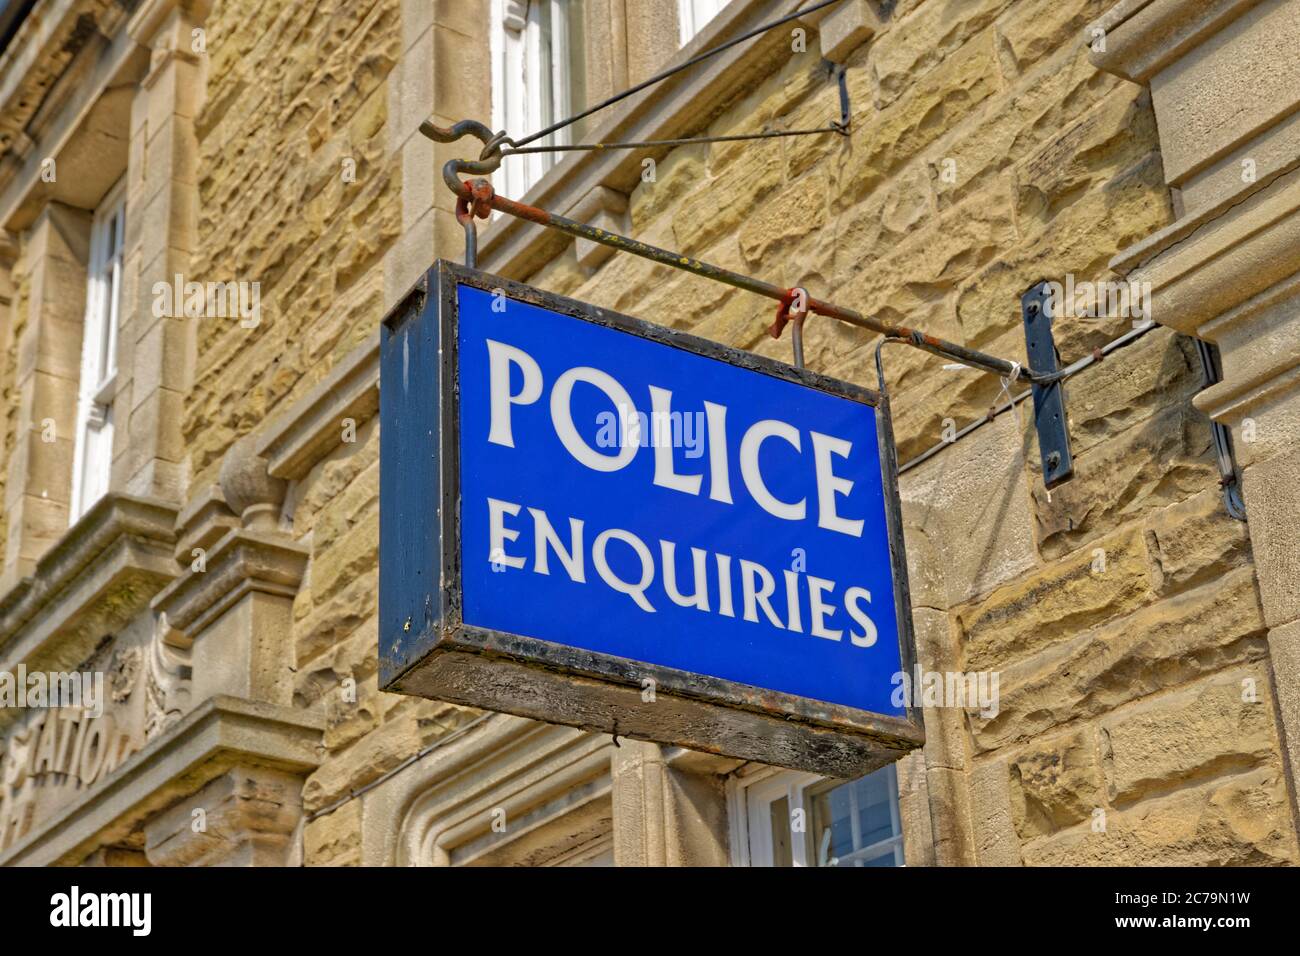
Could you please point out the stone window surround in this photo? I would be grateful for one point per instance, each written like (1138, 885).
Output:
(108, 69)
(514, 43)
(110, 63)
(70, 108)
(95, 406)
(543, 776)
(746, 782)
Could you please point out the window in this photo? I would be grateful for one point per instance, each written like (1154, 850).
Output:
(784, 818)
(694, 15)
(538, 78)
(93, 456)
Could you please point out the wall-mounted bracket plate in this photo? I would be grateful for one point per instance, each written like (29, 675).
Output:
(1049, 400)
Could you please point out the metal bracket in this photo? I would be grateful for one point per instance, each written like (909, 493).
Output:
(839, 74)
(1050, 419)
(1232, 500)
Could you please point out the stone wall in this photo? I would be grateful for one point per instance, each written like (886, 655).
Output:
(297, 191)
(1121, 611)
(1138, 717)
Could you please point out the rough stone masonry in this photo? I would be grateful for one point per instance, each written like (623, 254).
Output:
(1144, 691)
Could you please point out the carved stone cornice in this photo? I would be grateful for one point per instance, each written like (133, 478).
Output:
(243, 562)
(204, 521)
(1202, 266)
(221, 733)
(102, 572)
(39, 53)
(1228, 270)
(1231, 275)
(1142, 37)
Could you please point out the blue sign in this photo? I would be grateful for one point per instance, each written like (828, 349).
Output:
(644, 501)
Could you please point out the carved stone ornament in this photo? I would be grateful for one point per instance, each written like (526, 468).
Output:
(249, 488)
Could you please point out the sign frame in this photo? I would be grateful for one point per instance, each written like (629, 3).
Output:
(426, 649)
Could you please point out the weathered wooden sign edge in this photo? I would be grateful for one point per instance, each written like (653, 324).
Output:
(425, 649)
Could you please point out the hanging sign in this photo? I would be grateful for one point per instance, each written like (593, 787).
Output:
(594, 521)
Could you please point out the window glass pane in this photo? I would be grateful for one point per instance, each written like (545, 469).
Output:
(539, 77)
(885, 859)
(694, 16)
(849, 818)
(92, 456)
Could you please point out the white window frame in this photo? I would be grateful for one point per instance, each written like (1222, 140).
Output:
(519, 35)
(750, 800)
(694, 15)
(93, 454)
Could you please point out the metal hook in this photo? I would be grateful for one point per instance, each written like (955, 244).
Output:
(472, 199)
(488, 162)
(793, 309)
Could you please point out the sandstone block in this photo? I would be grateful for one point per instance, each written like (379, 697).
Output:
(723, 204)
(1055, 603)
(996, 843)
(1197, 540)
(1129, 387)
(1031, 31)
(1237, 821)
(335, 838)
(1171, 642)
(1055, 785)
(674, 176)
(1225, 721)
(1116, 133)
(907, 126)
(1148, 466)
(918, 44)
(1082, 239)
(795, 211)
(968, 507)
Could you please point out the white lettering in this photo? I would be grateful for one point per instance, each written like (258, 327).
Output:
(500, 358)
(749, 470)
